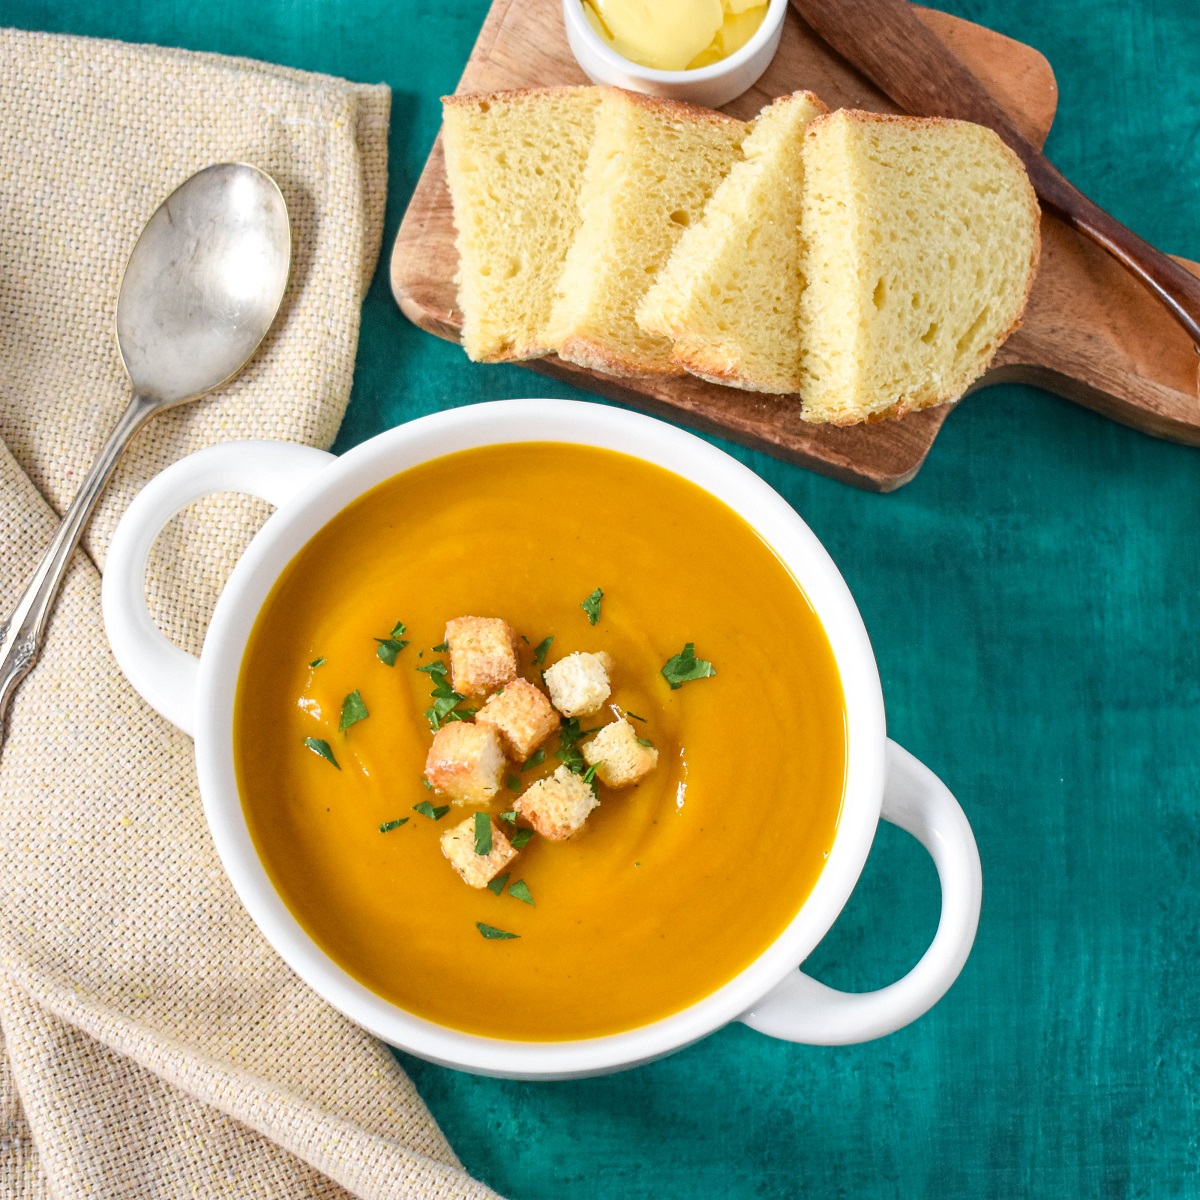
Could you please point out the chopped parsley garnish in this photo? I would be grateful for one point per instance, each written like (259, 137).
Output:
(318, 662)
(391, 645)
(388, 826)
(509, 818)
(534, 760)
(635, 717)
(428, 785)
(441, 647)
(318, 746)
(492, 933)
(521, 838)
(514, 783)
(685, 666)
(590, 774)
(437, 667)
(568, 750)
(520, 891)
(427, 810)
(353, 711)
(496, 886)
(483, 834)
(591, 606)
(542, 649)
(445, 699)
(645, 742)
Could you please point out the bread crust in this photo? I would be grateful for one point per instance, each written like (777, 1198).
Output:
(599, 356)
(710, 361)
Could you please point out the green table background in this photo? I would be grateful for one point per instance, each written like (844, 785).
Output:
(1030, 598)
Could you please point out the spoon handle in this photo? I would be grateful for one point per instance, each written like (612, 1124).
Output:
(21, 635)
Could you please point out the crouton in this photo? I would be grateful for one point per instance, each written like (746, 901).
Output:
(477, 870)
(522, 716)
(619, 758)
(558, 806)
(579, 683)
(483, 654)
(465, 762)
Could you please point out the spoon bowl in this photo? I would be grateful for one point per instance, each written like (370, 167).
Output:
(203, 283)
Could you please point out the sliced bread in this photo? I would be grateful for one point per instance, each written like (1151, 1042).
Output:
(653, 166)
(920, 242)
(730, 294)
(514, 163)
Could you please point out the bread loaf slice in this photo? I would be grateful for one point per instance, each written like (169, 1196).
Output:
(730, 294)
(920, 241)
(653, 166)
(514, 163)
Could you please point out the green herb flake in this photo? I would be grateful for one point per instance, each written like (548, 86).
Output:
(388, 826)
(520, 891)
(534, 760)
(441, 647)
(318, 746)
(428, 785)
(685, 666)
(509, 818)
(591, 606)
(399, 630)
(483, 835)
(492, 933)
(635, 717)
(496, 886)
(568, 750)
(387, 650)
(514, 783)
(645, 742)
(542, 649)
(524, 639)
(353, 711)
(590, 774)
(437, 667)
(520, 839)
(317, 662)
(427, 810)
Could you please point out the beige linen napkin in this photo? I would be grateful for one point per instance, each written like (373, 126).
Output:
(154, 1043)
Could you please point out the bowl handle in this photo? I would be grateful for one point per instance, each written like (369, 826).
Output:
(162, 673)
(803, 1010)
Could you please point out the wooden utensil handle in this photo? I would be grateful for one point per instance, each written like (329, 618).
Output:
(1176, 289)
(887, 41)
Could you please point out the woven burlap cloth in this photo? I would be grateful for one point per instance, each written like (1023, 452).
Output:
(154, 1043)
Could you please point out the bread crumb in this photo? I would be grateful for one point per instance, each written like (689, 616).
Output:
(522, 716)
(579, 683)
(483, 654)
(557, 807)
(619, 758)
(465, 762)
(477, 870)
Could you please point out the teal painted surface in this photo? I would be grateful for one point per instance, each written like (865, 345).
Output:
(1032, 600)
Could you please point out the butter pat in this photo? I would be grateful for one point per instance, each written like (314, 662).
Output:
(675, 35)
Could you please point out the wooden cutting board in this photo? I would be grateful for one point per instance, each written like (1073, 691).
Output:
(1090, 333)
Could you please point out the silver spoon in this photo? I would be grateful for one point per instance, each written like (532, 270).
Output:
(200, 291)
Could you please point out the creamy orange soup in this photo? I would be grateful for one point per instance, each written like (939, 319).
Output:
(674, 885)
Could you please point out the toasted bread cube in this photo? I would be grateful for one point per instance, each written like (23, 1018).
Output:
(579, 683)
(465, 762)
(558, 806)
(477, 870)
(619, 758)
(483, 654)
(522, 716)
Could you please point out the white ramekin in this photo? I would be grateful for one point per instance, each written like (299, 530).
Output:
(309, 488)
(712, 86)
